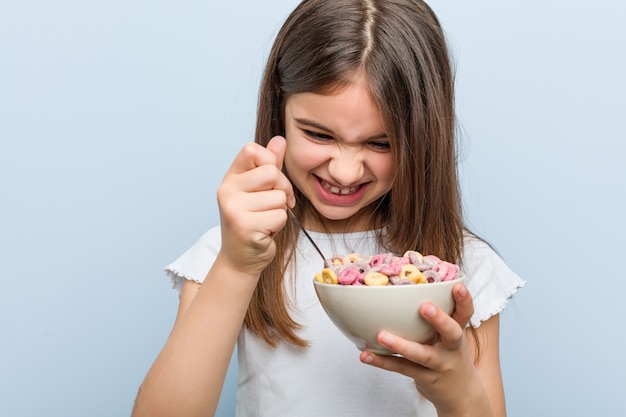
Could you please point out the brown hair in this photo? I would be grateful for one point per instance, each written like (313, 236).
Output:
(399, 46)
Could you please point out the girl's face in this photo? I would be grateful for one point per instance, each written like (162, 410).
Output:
(338, 155)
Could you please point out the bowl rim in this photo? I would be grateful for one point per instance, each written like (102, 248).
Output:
(460, 278)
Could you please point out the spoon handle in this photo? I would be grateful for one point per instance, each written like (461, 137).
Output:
(306, 234)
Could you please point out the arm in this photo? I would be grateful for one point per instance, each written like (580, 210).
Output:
(186, 378)
(488, 365)
(446, 372)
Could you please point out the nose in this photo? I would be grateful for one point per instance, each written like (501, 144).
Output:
(346, 167)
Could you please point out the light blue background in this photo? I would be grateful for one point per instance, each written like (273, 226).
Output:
(119, 118)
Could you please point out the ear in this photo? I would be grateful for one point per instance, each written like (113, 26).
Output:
(278, 145)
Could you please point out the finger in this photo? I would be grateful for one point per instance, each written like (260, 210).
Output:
(464, 305)
(252, 155)
(261, 201)
(449, 330)
(277, 145)
(263, 178)
(238, 208)
(271, 220)
(412, 354)
(387, 362)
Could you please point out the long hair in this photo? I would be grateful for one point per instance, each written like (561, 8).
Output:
(400, 48)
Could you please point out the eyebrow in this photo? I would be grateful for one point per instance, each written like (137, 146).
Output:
(311, 123)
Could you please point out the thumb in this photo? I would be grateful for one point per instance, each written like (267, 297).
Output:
(277, 145)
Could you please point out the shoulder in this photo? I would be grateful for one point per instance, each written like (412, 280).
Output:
(208, 243)
(196, 261)
(489, 279)
(478, 255)
(212, 238)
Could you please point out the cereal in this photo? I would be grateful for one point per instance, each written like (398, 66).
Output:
(328, 276)
(391, 269)
(431, 275)
(378, 260)
(376, 279)
(351, 258)
(387, 269)
(396, 280)
(453, 271)
(414, 256)
(410, 272)
(348, 276)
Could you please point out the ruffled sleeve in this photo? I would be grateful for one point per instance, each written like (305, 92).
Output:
(490, 281)
(195, 263)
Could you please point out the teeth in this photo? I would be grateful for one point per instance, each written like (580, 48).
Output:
(341, 191)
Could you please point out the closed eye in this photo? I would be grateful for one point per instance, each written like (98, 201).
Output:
(322, 137)
(380, 146)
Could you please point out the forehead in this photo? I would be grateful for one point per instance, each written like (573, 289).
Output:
(350, 111)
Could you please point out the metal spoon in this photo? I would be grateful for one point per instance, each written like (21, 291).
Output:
(296, 221)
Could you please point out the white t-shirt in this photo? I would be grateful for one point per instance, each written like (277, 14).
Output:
(327, 379)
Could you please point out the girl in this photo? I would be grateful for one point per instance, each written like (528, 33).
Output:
(355, 132)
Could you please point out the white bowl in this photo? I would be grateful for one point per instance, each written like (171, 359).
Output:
(360, 312)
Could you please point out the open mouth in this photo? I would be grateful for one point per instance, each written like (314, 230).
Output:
(339, 190)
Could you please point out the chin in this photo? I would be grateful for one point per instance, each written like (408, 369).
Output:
(343, 217)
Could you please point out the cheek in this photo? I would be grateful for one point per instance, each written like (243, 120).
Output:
(385, 168)
(302, 156)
